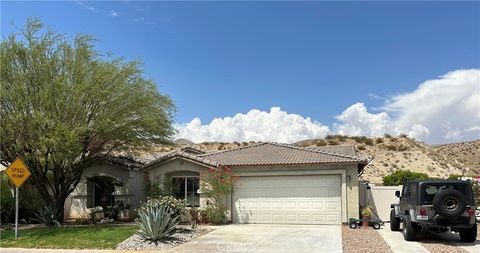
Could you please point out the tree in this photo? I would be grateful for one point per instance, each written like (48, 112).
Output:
(454, 176)
(65, 106)
(399, 176)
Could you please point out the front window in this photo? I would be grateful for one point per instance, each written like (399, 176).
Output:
(186, 188)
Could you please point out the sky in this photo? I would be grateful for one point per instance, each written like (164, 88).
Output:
(287, 71)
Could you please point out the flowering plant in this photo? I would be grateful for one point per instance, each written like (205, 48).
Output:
(176, 206)
(217, 182)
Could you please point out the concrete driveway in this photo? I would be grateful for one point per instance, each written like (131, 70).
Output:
(397, 243)
(268, 238)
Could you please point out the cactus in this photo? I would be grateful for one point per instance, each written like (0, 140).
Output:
(156, 222)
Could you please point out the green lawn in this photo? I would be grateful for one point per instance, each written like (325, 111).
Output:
(84, 237)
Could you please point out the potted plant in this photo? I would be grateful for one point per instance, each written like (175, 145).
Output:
(366, 215)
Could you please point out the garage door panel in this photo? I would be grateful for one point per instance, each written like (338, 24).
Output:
(293, 199)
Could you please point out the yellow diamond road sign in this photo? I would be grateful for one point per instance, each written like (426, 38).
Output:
(18, 172)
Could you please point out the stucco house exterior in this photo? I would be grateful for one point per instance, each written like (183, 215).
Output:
(278, 183)
(126, 186)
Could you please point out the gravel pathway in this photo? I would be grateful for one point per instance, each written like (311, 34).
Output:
(181, 235)
(363, 240)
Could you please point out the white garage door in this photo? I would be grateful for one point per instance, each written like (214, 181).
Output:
(288, 200)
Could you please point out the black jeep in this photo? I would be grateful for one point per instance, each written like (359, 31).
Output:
(437, 206)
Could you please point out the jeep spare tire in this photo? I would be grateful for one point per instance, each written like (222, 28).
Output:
(449, 203)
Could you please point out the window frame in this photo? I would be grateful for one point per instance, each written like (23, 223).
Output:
(185, 197)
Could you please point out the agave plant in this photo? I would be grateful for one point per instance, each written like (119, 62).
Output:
(45, 215)
(155, 222)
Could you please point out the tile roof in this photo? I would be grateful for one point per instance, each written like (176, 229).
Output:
(348, 150)
(269, 153)
(182, 154)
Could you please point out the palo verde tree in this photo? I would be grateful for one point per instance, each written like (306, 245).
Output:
(65, 106)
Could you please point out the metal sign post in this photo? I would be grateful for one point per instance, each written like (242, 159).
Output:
(16, 212)
(18, 173)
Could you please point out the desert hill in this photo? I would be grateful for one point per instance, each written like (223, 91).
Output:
(390, 153)
(401, 152)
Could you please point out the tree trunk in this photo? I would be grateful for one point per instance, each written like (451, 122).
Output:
(54, 195)
(59, 209)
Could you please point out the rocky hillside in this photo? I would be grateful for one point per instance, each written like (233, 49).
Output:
(462, 154)
(390, 153)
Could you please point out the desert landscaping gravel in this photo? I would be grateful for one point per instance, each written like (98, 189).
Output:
(435, 244)
(439, 245)
(181, 235)
(363, 240)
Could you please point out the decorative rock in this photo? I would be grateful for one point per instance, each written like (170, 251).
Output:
(180, 236)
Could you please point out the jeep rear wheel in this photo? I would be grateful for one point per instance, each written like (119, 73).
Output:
(469, 234)
(409, 230)
(394, 221)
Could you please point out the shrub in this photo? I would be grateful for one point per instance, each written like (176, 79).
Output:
(153, 190)
(359, 139)
(476, 193)
(332, 142)
(177, 207)
(379, 140)
(156, 221)
(361, 147)
(214, 215)
(367, 211)
(321, 143)
(399, 176)
(403, 135)
(28, 203)
(402, 148)
(387, 136)
(454, 176)
(218, 182)
(7, 206)
(392, 147)
(368, 141)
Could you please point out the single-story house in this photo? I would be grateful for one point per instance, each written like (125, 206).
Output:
(116, 181)
(278, 183)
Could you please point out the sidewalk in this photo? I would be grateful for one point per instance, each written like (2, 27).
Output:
(23, 250)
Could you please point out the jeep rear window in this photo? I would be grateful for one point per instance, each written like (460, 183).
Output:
(430, 190)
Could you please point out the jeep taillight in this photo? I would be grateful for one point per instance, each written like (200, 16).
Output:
(470, 212)
(423, 211)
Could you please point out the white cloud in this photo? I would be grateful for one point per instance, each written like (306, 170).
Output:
(357, 121)
(87, 7)
(441, 110)
(255, 125)
(113, 14)
(448, 106)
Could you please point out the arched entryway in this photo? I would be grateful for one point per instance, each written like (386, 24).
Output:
(101, 191)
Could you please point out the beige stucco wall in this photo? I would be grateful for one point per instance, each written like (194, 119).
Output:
(380, 198)
(350, 206)
(132, 192)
